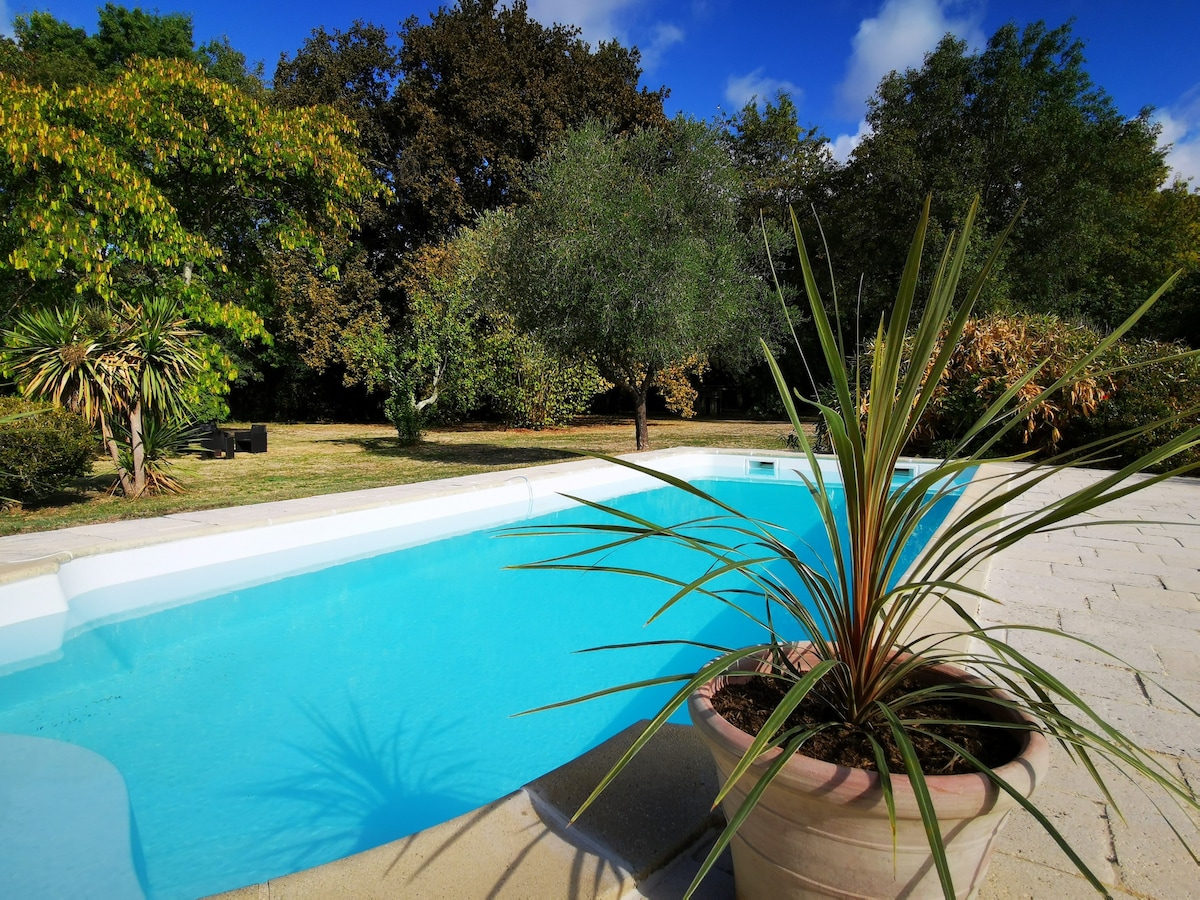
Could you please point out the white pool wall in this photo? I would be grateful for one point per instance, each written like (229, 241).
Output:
(74, 589)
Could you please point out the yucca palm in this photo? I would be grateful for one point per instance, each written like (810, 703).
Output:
(858, 610)
(158, 362)
(126, 361)
(68, 356)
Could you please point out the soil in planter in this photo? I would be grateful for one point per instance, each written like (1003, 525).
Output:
(747, 704)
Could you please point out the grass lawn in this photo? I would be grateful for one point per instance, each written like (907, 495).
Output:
(307, 460)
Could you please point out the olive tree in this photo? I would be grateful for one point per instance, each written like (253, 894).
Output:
(630, 251)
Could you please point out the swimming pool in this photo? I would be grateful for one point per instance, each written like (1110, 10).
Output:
(306, 710)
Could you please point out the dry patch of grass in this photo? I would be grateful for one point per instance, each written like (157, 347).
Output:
(308, 460)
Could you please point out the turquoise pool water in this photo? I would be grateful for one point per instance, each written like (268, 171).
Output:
(282, 725)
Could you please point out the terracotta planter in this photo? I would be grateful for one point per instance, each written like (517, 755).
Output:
(822, 830)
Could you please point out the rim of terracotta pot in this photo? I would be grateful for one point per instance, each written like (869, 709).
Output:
(954, 796)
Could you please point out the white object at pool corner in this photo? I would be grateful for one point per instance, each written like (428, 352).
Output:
(68, 808)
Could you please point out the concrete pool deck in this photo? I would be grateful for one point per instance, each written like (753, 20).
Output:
(1134, 588)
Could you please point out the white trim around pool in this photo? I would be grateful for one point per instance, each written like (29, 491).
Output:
(55, 584)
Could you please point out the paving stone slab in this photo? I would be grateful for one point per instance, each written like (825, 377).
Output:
(631, 818)
(1184, 580)
(503, 851)
(1044, 551)
(1150, 859)
(1055, 593)
(1148, 619)
(1172, 694)
(672, 882)
(1153, 728)
(1080, 820)
(1002, 613)
(1145, 562)
(1105, 572)
(1161, 597)
(1028, 565)
(1180, 664)
(1189, 539)
(1014, 878)
(1106, 537)
(1188, 562)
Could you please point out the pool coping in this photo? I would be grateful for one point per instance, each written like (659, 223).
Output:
(36, 553)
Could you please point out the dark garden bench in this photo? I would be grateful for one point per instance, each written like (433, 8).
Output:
(222, 444)
(253, 440)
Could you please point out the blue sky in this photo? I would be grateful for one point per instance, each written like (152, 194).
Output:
(829, 54)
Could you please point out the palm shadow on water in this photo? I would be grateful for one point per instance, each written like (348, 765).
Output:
(351, 791)
(460, 454)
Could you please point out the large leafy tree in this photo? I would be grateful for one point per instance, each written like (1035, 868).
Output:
(49, 51)
(167, 182)
(486, 90)
(461, 350)
(1018, 123)
(786, 166)
(631, 251)
(450, 114)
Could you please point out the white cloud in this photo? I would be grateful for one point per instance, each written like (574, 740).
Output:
(844, 144)
(1181, 130)
(898, 38)
(665, 37)
(741, 89)
(597, 19)
(603, 20)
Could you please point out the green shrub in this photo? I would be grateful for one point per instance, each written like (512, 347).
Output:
(403, 413)
(992, 355)
(1118, 393)
(161, 440)
(40, 453)
(1146, 393)
(536, 388)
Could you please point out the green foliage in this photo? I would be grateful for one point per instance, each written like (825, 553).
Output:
(42, 448)
(863, 616)
(128, 361)
(785, 166)
(1018, 123)
(631, 254)
(168, 181)
(450, 113)
(992, 355)
(161, 439)
(1134, 385)
(486, 90)
(49, 51)
(536, 388)
(1155, 397)
(401, 411)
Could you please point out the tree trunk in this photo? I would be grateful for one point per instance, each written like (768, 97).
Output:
(138, 450)
(114, 451)
(641, 426)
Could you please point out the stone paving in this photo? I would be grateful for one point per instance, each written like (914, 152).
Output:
(1133, 589)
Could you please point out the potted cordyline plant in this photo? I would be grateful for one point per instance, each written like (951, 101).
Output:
(868, 684)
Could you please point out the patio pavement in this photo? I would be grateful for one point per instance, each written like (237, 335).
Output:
(1134, 588)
